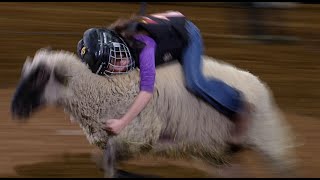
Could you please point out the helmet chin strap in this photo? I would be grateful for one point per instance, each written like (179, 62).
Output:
(100, 67)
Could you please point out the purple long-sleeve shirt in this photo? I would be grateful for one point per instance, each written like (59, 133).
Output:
(147, 63)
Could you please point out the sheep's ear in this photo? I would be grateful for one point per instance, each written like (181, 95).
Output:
(46, 48)
(26, 65)
(60, 75)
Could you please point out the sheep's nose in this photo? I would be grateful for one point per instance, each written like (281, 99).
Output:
(19, 111)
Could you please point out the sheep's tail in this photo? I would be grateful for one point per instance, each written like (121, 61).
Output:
(273, 137)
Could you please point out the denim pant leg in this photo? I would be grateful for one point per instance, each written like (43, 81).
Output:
(192, 61)
(223, 97)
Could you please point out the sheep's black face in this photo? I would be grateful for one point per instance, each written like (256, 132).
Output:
(28, 95)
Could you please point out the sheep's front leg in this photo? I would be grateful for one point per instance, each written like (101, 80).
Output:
(109, 160)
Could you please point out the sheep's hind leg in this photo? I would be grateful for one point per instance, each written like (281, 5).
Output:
(272, 137)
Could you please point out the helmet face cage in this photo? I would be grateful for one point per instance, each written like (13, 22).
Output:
(120, 60)
(117, 55)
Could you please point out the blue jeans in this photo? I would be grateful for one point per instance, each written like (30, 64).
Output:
(221, 96)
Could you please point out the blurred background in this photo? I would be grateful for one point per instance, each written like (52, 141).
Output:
(277, 41)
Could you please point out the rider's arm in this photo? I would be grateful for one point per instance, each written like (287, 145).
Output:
(147, 78)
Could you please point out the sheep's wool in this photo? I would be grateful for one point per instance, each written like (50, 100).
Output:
(174, 121)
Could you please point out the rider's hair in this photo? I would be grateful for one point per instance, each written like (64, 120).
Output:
(127, 28)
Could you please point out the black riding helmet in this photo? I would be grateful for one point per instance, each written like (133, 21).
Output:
(100, 48)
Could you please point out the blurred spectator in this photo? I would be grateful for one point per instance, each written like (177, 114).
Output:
(143, 8)
(257, 24)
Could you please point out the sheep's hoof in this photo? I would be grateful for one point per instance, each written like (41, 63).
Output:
(234, 148)
(97, 157)
(125, 174)
(233, 171)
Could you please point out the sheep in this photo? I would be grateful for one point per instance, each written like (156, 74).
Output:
(175, 123)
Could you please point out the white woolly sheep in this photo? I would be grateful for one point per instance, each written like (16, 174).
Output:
(192, 128)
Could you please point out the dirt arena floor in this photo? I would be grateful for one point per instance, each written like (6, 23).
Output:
(49, 145)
